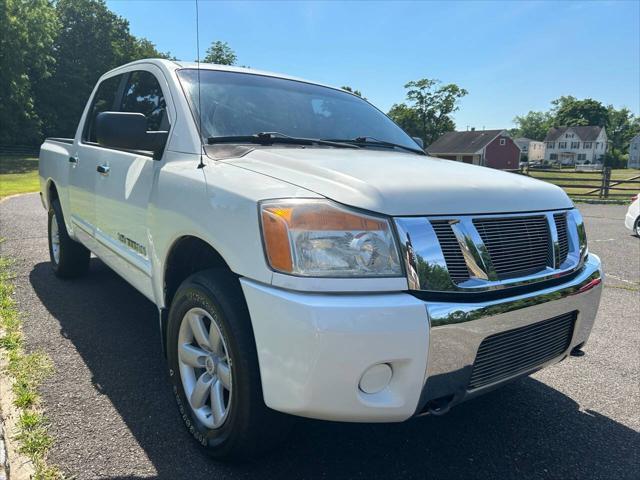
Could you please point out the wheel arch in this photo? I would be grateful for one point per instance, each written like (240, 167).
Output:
(187, 255)
(51, 193)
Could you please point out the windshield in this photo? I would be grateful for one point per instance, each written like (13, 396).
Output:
(239, 104)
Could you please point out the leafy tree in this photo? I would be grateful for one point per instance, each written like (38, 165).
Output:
(568, 111)
(349, 89)
(27, 31)
(91, 41)
(622, 126)
(220, 53)
(533, 125)
(431, 104)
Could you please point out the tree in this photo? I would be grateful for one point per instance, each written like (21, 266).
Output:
(349, 89)
(622, 126)
(220, 53)
(91, 41)
(27, 32)
(568, 111)
(430, 104)
(533, 125)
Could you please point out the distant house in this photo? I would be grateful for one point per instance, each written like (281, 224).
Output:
(571, 145)
(634, 153)
(490, 148)
(532, 149)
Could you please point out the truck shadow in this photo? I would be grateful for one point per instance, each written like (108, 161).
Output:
(526, 429)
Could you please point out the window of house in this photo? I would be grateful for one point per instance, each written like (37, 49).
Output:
(575, 144)
(143, 94)
(562, 144)
(587, 144)
(554, 156)
(551, 145)
(503, 141)
(105, 99)
(597, 145)
(582, 157)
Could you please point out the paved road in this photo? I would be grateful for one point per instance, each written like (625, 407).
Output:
(113, 416)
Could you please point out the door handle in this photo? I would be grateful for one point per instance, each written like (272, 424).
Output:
(73, 161)
(103, 170)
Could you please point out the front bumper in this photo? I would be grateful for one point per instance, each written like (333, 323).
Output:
(314, 348)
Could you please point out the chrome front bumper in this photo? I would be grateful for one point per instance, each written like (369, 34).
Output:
(457, 329)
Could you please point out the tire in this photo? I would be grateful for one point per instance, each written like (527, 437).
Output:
(636, 227)
(69, 259)
(244, 427)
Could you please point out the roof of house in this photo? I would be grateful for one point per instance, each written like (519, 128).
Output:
(636, 138)
(586, 134)
(463, 142)
(525, 140)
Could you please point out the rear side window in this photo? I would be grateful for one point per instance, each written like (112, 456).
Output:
(143, 94)
(104, 100)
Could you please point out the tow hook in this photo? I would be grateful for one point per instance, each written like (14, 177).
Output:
(577, 351)
(440, 406)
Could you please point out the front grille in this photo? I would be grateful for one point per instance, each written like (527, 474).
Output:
(451, 250)
(518, 246)
(563, 240)
(510, 353)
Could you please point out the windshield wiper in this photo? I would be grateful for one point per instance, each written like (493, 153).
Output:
(374, 142)
(269, 138)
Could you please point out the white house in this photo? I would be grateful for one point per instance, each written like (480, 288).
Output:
(533, 149)
(571, 145)
(634, 152)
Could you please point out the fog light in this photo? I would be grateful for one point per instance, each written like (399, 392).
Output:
(375, 378)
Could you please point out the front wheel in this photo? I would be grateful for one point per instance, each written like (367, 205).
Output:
(214, 369)
(636, 227)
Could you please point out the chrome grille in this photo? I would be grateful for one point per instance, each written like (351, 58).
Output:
(517, 246)
(510, 353)
(451, 250)
(563, 241)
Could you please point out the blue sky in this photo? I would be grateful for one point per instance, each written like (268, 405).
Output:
(511, 56)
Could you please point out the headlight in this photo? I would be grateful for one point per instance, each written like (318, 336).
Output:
(316, 238)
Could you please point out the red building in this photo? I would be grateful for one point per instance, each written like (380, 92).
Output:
(489, 148)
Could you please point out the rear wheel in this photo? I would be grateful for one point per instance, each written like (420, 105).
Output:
(214, 369)
(69, 259)
(636, 228)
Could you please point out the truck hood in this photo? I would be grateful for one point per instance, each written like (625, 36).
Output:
(396, 183)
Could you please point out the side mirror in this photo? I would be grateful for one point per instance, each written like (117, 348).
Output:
(128, 130)
(419, 141)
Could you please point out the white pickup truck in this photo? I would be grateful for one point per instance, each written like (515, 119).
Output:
(305, 255)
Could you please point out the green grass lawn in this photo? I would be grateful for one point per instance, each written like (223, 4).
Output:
(18, 175)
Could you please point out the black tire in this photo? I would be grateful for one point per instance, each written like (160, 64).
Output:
(251, 428)
(636, 228)
(73, 258)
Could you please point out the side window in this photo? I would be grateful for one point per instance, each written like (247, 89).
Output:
(143, 94)
(104, 100)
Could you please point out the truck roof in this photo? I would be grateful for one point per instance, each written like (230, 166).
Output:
(177, 64)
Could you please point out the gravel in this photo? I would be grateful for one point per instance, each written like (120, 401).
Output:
(113, 416)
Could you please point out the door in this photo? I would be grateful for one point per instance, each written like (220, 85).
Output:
(85, 157)
(124, 184)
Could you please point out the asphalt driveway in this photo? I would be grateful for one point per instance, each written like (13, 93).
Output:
(113, 416)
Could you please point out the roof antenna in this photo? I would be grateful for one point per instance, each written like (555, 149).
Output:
(201, 164)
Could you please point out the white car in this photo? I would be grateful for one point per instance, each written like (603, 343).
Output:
(307, 258)
(632, 218)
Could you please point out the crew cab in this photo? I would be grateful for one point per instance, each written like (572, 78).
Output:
(306, 257)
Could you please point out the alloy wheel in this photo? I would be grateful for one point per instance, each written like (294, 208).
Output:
(205, 367)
